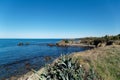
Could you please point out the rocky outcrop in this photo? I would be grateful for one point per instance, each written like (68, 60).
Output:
(22, 44)
(47, 58)
(51, 45)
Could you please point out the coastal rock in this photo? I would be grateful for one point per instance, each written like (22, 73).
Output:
(47, 58)
(63, 42)
(20, 44)
(51, 45)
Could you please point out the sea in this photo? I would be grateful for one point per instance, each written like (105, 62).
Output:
(17, 60)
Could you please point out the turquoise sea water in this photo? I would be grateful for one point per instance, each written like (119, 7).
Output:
(14, 59)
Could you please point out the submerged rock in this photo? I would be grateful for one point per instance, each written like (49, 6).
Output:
(51, 45)
(47, 58)
(20, 44)
(27, 43)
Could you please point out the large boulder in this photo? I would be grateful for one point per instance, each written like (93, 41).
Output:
(62, 43)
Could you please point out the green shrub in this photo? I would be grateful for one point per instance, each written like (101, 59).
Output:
(67, 69)
(66, 41)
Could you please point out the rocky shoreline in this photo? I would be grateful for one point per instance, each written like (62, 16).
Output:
(85, 58)
(63, 43)
(98, 45)
(91, 42)
(73, 45)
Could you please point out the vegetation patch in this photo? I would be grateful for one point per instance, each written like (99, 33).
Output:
(67, 69)
(105, 60)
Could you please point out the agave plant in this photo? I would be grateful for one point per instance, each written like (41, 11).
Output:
(67, 69)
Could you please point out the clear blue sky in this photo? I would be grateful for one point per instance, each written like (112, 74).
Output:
(58, 18)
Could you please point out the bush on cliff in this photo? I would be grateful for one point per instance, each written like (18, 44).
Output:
(67, 69)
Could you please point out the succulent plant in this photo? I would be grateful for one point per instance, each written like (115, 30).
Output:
(67, 69)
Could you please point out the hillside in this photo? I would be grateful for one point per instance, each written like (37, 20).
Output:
(105, 61)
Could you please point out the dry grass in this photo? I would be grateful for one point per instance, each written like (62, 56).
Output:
(105, 61)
